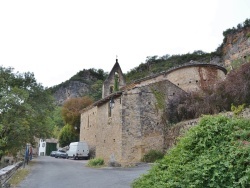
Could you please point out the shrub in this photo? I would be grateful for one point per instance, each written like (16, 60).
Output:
(248, 35)
(215, 153)
(152, 156)
(237, 109)
(96, 162)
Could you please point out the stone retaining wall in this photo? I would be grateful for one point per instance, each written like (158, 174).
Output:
(7, 172)
(178, 129)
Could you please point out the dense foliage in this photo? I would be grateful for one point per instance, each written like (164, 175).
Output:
(71, 110)
(152, 156)
(235, 89)
(25, 108)
(215, 153)
(67, 135)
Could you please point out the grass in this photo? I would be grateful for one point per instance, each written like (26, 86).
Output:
(20, 175)
(96, 163)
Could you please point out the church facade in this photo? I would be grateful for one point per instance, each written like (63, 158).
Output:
(127, 122)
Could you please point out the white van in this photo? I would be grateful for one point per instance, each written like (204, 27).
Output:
(78, 150)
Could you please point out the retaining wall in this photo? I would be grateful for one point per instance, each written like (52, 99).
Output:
(7, 172)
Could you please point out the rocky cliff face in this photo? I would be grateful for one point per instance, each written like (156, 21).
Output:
(71, 90)
(79, 85)
(236, 48)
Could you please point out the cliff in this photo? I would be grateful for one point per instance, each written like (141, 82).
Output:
(86, 82)
(236, 48)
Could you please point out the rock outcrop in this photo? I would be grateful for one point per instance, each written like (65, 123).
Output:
(236, 48)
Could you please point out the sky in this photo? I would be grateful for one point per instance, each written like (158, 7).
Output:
(55, 39)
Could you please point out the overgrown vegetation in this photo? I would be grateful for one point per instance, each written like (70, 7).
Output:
(97, 162)
(215, 153)
(152, 156)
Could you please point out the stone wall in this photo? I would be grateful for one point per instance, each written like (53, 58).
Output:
(109, 132)
(7, 172)
(195, 78)
(190, 77)
(131, 127)
(88, 128)
(180, 128)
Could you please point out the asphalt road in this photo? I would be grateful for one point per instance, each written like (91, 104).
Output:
(49, 172)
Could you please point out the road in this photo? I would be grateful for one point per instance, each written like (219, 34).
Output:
(49, 172)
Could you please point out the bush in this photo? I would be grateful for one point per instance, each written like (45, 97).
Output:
(96, 162)
(152, 156)
(215, 153)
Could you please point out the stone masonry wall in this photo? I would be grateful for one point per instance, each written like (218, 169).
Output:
(195, 78)
(131, 127)
(88, 128)
(180, 128)
(109, 132)
(189, 78)
(143, 126)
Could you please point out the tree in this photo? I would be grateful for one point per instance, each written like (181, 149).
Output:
(96, 90)
(71, 110)
(67, 135)
(24, 110)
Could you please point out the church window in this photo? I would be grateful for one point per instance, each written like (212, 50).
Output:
(117, 80)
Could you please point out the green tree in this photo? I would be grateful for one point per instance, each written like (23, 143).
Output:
(67, 135)
(96, 90)
(24, 110)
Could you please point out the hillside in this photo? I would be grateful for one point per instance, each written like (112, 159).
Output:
(234, 51)
(86, 82)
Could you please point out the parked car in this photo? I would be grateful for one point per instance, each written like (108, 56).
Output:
(52, 154)
(61, 154)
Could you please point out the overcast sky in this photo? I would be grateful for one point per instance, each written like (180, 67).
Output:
(55, 39)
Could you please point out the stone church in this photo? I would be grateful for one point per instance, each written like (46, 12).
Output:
(126, 123)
